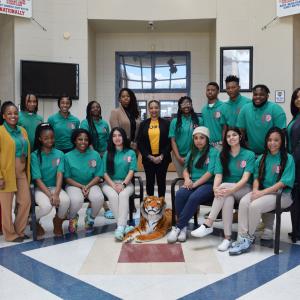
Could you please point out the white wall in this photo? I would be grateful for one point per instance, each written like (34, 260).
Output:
(273, 59)
(296, 51)
(107, 44)
(91, 64)
(33, 43)
(6, 58)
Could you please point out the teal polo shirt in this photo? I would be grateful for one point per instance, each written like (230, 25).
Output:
(243, 162)
(83, 167)
(231, 110)
(30, 121)
(47, 168)
(257, 121)
(63, 128)
(211, 116)
(289, 129)
(102, 129)
(272, 169)
(208, 166)
(124, 161)
(183, 136)
(20, 142)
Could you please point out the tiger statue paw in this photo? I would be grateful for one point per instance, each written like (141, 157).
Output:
(155, 221)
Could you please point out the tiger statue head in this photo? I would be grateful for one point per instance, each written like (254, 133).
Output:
(155, 221)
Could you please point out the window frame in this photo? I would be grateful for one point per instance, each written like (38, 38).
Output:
(222, 49)
(153, 55)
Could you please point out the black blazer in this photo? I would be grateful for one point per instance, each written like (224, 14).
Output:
(143, 141)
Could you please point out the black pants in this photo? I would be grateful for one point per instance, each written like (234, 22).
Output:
(159, 172)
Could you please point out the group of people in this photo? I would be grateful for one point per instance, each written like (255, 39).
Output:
(235, 152)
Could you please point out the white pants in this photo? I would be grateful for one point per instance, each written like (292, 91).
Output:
(178, 166)
(95, 196)
(227, 204)
(44, 205)
(250, 211)
(119, 203)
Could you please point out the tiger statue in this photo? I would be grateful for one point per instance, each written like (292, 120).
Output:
(155, 221)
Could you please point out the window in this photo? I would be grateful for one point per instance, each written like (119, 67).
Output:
(142, 104)
(237, 61)
(153, 72)
(168, 108)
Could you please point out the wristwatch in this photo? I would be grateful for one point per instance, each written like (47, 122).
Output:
(124, 184)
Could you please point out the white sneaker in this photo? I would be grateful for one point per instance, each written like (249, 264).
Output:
(224, 246)
(173, 235)
(267, 234)
(202, 231)
(182, 235)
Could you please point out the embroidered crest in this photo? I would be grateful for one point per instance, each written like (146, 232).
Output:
(243, 164)
(276, 169)
(217, 114)
(55, 162)
(128, 159)
(92, 163)
(71, 125)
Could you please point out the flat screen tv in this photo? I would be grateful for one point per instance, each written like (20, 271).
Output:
(49, 79)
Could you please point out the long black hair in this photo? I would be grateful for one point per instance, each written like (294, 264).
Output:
(195, 119)
(4, 106)
(132, 106)
(199, 164)
(24, 100)
(38, 133)
(111, 149)
(225, 153)
(294, 109)
(283, 156)
(92, 127)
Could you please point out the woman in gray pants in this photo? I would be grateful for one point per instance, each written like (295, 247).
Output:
(274, 170)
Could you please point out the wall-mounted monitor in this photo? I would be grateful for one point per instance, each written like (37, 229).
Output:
(50, 79)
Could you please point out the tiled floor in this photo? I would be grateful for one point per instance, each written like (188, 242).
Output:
(96, 266)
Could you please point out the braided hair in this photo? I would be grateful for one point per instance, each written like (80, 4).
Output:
(195, 119)
(91, 123)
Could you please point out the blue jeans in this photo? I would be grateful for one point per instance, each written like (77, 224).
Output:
(187, 202)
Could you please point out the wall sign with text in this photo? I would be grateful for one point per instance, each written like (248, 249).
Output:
(20, 8)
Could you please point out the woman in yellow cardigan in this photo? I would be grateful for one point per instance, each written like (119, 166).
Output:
(14, 173)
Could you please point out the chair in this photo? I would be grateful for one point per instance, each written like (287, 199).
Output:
(136, 180)
(278, 211)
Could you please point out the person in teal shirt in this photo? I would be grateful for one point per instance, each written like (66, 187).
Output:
(235, 103)
(47, 168)
(233, 170)
(274, 170)
(198, 177)
(83, 169)
(256, 118)
(63, 124)
(212, 114)
(293, 134)
(119, 164)
(96, 126)
(28, 117)
(181, 130)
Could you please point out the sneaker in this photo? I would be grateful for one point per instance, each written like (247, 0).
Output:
(173, 235)
(89, 220)
(128, 228)
(108, 214)
(240, 247)
(182, 235)
(267, 234)
(119, 233)
(202, 231)
(73, 224)
(224, 246)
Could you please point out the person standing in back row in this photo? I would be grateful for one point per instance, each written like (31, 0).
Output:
(235, 103)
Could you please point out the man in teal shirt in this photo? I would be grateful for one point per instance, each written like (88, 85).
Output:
(235, 103)
(212, 114)
(256, 118)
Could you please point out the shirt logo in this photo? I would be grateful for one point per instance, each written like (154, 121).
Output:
(129, 159)
(55, 162)
(92, 163)
(217, 114)
(266, 118)
(71, 125)
(238, 110)
(243, 164)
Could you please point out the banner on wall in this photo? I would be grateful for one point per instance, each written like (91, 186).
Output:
(288, 7)
(20, 8)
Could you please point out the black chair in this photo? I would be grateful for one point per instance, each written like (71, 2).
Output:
(136, 180)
